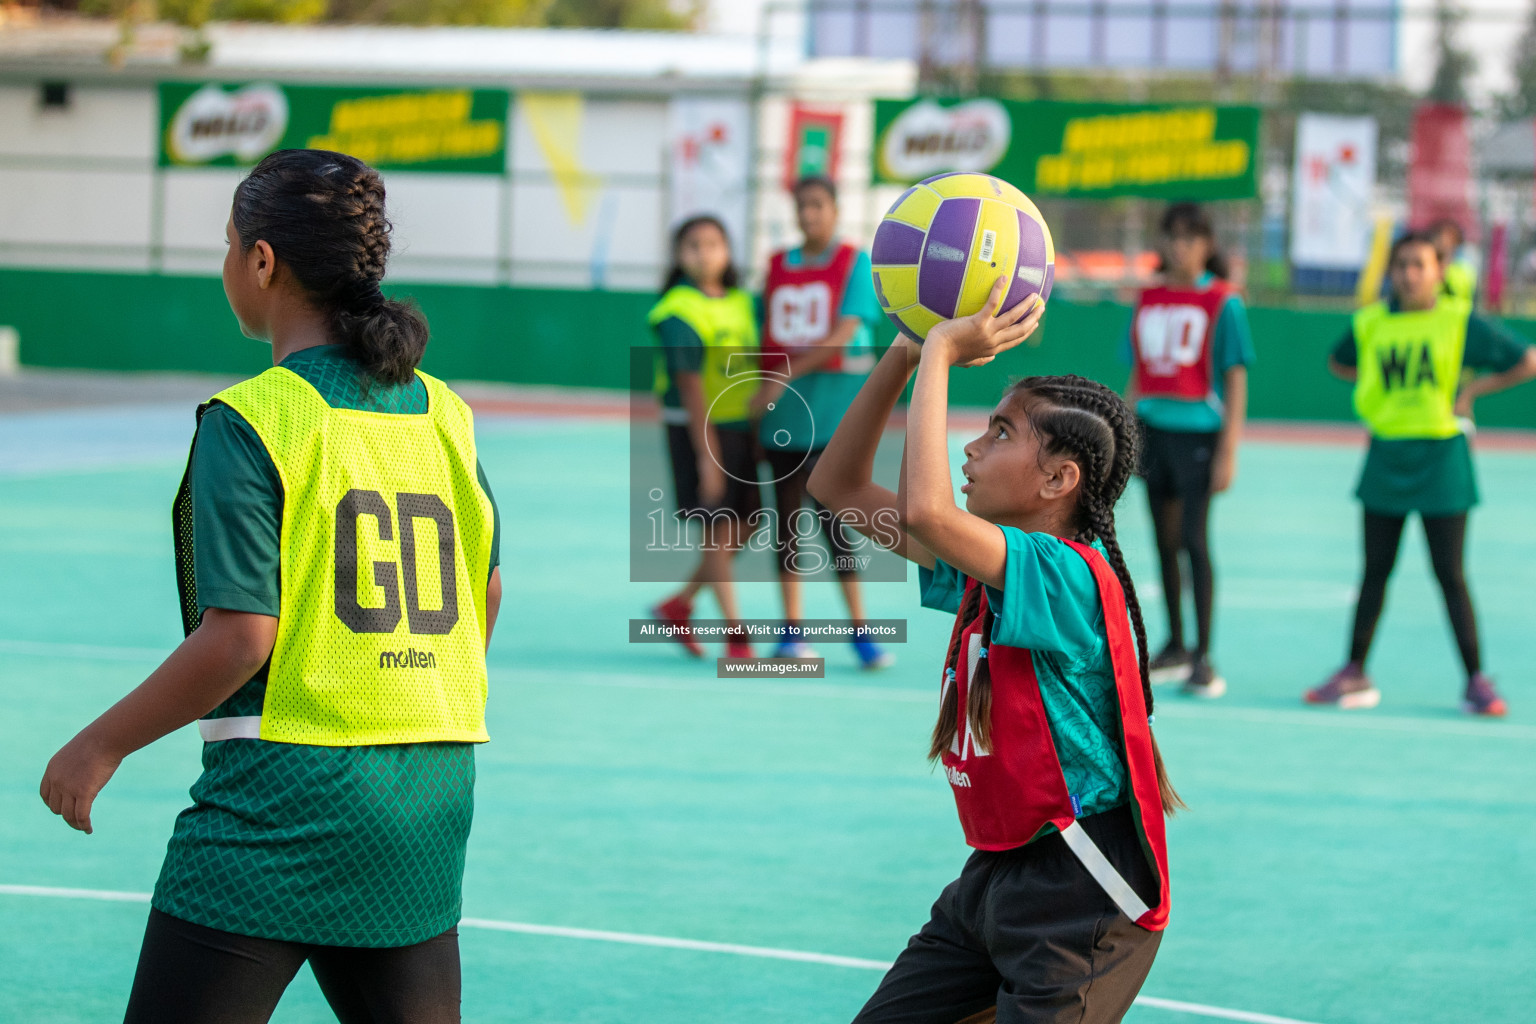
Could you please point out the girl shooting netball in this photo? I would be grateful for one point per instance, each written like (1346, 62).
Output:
(1043, 727)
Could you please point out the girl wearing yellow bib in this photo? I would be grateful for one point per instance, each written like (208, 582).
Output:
(336, 559)
(706, 363)
(1406, 359)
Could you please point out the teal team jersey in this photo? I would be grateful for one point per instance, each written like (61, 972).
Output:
(1232, 345)
(343, 846)
(1050, 605)
(828, 395)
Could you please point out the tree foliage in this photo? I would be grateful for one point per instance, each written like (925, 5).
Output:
(674, 15)
(1453, 65)
(1521, 101)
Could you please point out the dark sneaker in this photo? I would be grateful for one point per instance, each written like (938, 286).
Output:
(1482, 699)
(1173, 664)
(675, 613)
(1203, 681)
(1348, 689)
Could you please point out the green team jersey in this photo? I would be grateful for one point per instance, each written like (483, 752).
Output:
(338, 846)
(1050, 605)
(1431, 476)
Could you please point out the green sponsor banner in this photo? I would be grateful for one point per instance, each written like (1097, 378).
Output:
(1074, 150)
(235, 125)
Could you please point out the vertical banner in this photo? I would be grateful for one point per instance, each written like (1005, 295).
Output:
(711, 155)
(1440, 167)
(1332, 187)
(815, 144)
(1498, 267)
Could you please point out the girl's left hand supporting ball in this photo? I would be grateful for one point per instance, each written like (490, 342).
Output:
(978, 339)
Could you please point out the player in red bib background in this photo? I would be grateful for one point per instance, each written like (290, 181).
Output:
(819, 317)
(1043, 728)
(1190, 349)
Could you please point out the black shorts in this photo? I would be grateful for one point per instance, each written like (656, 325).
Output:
(737, 456)
(791, 471)
(190, 974)
(1030, 932)
(1177, 463)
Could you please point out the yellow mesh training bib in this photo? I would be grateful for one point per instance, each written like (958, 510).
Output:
(386, 547)
(1408, 369)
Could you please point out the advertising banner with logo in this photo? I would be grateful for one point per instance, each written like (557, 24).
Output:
(212, 124)
(1074, 150)
(1331, 200)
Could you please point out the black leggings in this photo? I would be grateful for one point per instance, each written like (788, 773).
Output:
(1447, 536)
(189, 974)
(1182, 523)
(791, 470)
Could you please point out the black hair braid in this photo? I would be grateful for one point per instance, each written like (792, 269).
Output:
(323, 215)
(1081, 417)
(949, 708)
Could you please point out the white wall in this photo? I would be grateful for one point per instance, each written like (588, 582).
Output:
(76, 183)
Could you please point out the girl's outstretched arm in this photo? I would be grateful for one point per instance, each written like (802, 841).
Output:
(843, 479)
(210, 665)
(969, 543)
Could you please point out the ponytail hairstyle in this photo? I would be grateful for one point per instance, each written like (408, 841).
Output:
(1083, 420)
(323, 215)
(675, 274)
(1191, 219)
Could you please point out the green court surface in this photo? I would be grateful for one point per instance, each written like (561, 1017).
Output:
(1339, 868)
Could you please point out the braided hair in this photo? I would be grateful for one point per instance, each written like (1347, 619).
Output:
(1084, 420)
(323, 215)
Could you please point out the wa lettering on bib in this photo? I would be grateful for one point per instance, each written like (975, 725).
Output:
(1408, 369)
(385, 554)
(1172, 338)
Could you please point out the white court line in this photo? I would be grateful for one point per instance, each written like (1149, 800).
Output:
(632, 939)
(664, 942)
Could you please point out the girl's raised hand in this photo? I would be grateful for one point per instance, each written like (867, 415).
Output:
(977, 340)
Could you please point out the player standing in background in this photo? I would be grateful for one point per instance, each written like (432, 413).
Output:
(1190, 347)
(1406, 359)
(338, 692)
(1459, 274)
(819, 311)
(706, 333)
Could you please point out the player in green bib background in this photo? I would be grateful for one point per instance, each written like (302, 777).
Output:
(337, 560)
(1406, 358)
(706, 361)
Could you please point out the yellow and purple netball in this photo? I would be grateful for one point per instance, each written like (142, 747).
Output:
(947, 239)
